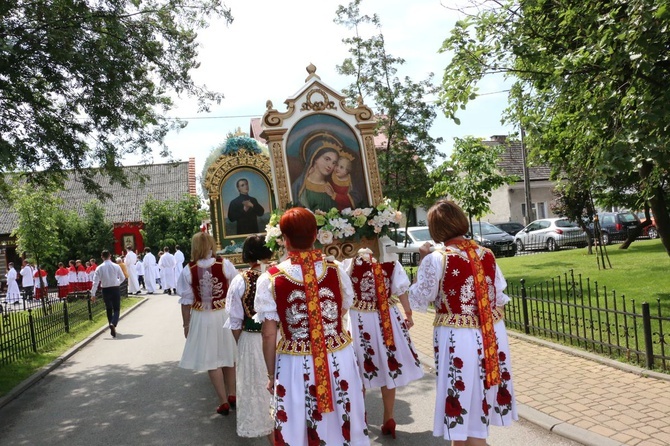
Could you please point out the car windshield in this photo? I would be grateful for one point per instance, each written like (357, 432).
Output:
(421, 235)
(486, 229)
(566, 224)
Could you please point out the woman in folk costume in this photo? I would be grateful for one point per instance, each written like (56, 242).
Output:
(203, 285)
(386, 356)
(312, 371)
(472, 356)
(253, 410)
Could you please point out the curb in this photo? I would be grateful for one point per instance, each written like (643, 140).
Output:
(44, 371)
(645, 373)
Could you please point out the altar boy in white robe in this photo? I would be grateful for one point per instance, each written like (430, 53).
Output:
(167, 264)
(149, 271)
(130, 261)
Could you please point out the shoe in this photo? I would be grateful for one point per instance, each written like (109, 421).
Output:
(137, 293)
(223, 409)
(112, 330)
(150, 293)
(166, 291)
(174, 290)
(169, 292)
(388, 428)
(232, 400)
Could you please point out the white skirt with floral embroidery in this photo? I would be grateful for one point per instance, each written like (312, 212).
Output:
(297, 420)
(380, 365)
(463, 408)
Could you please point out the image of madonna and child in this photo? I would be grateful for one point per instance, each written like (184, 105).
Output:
(326, 180)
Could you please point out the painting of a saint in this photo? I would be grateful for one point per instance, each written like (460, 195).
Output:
(330, 170)
(249, 211)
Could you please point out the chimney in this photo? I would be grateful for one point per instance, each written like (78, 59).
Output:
(499, 138)
(191, 177)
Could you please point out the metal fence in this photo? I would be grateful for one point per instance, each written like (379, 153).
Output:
(35, 325)
(581, 313)
(576, 311)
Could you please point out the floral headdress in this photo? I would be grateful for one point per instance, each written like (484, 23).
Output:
(346, 224)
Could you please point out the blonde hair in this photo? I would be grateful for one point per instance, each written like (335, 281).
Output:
(203, 246)
(446, 220)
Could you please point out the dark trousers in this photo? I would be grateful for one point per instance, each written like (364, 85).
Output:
(28, 290)
(140, 280)
(112, 297)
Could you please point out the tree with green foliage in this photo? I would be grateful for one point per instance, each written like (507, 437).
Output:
(36, 233)
(470, 176)
(87, 82)
(403, 113)
(590, 84)
(170, 223)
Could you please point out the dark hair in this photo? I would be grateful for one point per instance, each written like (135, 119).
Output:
(147, 249)
(166, 249)
(104, 254)
(446, 220)
(237, 183)
(298, 225)
(254, 249)
(176, 247)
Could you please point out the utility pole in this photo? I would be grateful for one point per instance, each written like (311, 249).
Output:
(526, 179)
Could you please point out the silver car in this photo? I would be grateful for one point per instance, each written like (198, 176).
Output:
(551, 234)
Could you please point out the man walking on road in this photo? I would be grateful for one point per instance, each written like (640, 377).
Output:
(109, 276)
(149, 270)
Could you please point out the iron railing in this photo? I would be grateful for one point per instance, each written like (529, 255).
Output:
(34, 326)
(576, 311)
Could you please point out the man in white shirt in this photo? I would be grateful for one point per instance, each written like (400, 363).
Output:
(179, 259)
(130, 261)
(27, 280)
(167, 264)
(149, 270)
(109, 276)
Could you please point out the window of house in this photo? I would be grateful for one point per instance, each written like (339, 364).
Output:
(539, 210)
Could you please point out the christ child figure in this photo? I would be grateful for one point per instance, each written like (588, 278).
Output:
(340, 180)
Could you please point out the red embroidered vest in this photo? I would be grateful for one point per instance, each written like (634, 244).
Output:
(289, 294)
(250, 277)
(209, 286)
(456, 304)
(363, 279)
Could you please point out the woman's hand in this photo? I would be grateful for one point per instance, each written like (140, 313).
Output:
(409, 322)
(186, 330)
(271, 386)
(424, 250)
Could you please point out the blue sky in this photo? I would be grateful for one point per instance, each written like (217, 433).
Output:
(262, 56)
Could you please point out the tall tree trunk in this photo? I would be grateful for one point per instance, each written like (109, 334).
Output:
(659, 207)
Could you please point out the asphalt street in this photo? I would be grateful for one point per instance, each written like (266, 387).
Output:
(130, 391)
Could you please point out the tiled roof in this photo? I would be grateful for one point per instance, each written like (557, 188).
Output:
(511, 162)
(169, 181)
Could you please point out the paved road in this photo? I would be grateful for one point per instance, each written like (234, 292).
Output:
(129, 391)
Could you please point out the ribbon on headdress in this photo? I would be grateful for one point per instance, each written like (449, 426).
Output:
(490, 341)
(324, 392)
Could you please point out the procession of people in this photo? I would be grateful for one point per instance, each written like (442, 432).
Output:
(292, 345)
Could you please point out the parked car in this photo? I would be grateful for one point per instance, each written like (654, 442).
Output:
(510, 227)
(648, 231)
(494, 238)
(615, 225)
(415, 236)
(551, 234)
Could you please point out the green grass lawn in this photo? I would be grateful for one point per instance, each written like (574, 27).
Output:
(13, 374)
(641, 272)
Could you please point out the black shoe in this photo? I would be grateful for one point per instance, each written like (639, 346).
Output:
(112, 329)
(169, 292)
(137, 293)
(174, 290)
(166, 291)
(151, 292)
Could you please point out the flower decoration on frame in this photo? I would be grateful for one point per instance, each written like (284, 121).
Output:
(348, 224)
